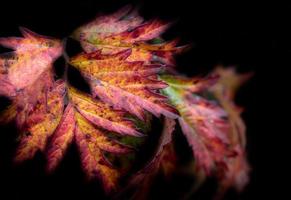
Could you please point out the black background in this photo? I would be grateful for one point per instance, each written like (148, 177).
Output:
(242, 35)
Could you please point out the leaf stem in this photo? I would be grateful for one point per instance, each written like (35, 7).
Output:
(67, 60)
(65, 76)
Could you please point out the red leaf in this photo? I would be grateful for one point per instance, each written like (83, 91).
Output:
(33, 55)
(62, 138)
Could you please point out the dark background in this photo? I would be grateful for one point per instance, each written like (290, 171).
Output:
(242, 35)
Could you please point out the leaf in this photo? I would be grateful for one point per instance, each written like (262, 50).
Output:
(107, 24)
(125, 85)
(89, 122)
(101, 114)
(41, 123)
(126, 30)
(62, 137)
(216, 134)
(230, 81)
(104, 143)
(26, 74)
(34, 54)
(26, 100)
(92, 142)
(205, 127)
(224, 91)
(94, 163)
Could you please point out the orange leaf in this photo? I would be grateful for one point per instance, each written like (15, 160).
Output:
(127, 85)
(41, 123)
(94, 163)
